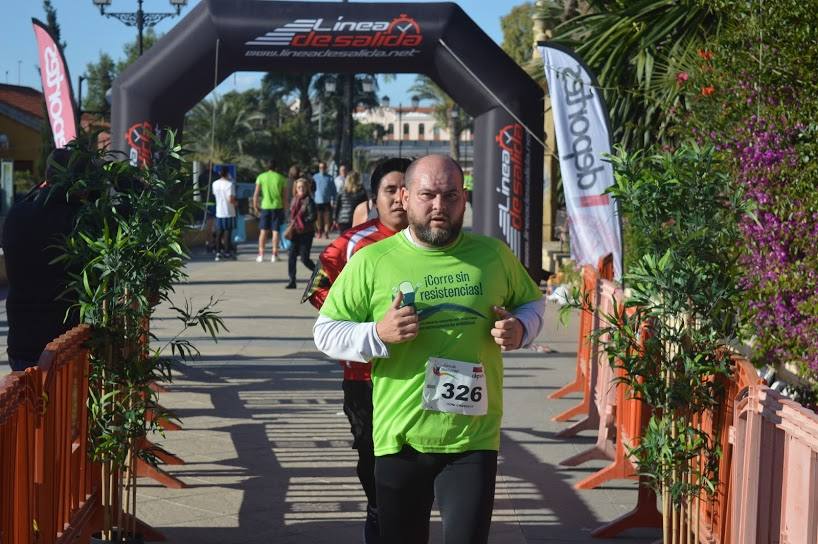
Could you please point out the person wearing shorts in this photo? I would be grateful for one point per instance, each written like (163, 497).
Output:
(224, 191)
(431, 308)
(271, 188)
(324, 196)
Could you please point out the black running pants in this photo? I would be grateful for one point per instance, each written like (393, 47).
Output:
(408, 482)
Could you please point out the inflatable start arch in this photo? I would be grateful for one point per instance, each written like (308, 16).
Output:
(436, 39)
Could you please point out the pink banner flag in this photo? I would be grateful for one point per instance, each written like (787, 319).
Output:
(59, 99)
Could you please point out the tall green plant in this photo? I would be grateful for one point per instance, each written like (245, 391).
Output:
(124, 257)
(680, 314)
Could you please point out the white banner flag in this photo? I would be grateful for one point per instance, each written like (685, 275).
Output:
(581, 123)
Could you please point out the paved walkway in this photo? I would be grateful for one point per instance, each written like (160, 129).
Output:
(267, 447)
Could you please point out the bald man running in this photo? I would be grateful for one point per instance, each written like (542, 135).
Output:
(432, 308)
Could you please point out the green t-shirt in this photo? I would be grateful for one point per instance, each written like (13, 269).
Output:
(454, 289)
(272, 188)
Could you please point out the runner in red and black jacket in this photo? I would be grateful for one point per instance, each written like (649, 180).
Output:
(387, 180)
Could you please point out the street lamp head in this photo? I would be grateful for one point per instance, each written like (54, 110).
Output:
(102, 4)
(178, 4)
(415, 101)
(367, 84)
(329, 85)
(384, 101)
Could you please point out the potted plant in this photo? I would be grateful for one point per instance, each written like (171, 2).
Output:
(124, 257)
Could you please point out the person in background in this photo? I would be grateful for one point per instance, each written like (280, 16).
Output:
(387, 180)
(347, 200)
(271, 187)
(340, 178)
(293, 174)
(34, 228)
(367, 209)
(324, 196)
(364, 211)
(468, 186)
(302, 217)
(224, 191)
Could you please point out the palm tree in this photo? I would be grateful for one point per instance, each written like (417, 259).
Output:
(275, 87)
(637, 50)
(447, 112)
(237, 119)
(333, 104)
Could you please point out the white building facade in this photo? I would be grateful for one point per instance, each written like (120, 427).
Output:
(407, 124)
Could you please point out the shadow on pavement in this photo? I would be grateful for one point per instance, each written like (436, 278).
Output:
(269, 460)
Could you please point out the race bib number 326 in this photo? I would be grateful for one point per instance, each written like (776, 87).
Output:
(456, 387)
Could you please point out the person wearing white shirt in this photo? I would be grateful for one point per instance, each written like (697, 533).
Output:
(224, 191)
(341, 178)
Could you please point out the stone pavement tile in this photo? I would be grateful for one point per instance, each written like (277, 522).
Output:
(164, 512)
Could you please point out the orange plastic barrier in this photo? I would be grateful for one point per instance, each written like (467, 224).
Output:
(586, 316)
(49, 490)
(67, 485)
(709, 517)
(712, 515)
(586, 356)
(610, 300)
(19, 417)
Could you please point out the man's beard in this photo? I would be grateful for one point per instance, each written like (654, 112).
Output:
(436, 236)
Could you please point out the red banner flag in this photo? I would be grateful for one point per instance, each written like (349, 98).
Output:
(59, 99)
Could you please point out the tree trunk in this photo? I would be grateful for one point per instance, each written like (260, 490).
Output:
(339, 113)
(454, 138)
(346, 135)
(305, 105)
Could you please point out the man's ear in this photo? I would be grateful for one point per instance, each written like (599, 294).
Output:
(404, 196)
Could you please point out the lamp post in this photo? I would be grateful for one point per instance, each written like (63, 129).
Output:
(399, 130)
(139, 18)
(80, 79)
(415, 103)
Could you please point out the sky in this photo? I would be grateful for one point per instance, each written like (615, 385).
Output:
(87, 33)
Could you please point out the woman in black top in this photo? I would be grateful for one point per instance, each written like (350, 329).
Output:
(302, 217)
(347, 200)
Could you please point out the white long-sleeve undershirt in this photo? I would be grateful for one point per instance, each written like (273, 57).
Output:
(350, 341)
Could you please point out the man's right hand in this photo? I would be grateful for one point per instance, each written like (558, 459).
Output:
(399, 324)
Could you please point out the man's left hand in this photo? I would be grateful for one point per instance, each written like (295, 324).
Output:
(507, 331)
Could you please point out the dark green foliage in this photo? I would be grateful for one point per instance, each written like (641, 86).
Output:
(125, 256)
(637, 51)
(518, 33)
